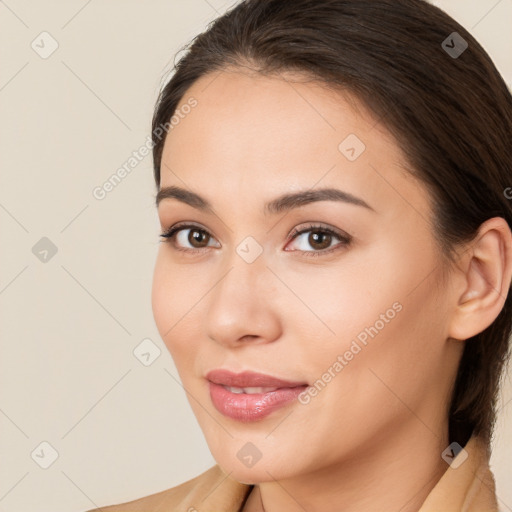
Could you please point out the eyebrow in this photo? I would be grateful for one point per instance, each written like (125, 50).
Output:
(280, 204)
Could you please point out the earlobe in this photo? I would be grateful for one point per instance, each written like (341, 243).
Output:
(487, 272)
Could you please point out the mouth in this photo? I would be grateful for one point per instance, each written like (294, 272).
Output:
(249, 379)
(249, 391)
(251, 396)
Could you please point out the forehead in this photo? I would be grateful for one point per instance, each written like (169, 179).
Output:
(244, 113)
(250, 133)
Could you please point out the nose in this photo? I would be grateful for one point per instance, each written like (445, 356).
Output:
(243, 306)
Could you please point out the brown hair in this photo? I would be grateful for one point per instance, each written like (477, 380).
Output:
(451, 114)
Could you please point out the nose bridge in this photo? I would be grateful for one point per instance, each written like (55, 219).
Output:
(246, 258)
(240, 305)
(244, 276)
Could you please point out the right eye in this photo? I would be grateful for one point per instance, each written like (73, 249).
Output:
(177, 236)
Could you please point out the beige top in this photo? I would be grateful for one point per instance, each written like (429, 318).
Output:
(469, 487)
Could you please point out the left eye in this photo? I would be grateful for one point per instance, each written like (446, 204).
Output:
(320, 239)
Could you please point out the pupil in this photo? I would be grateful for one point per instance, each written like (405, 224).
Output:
(315, 237)
(196, 236)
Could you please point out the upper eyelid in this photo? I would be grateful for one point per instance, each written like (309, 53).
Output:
(310, 226)
(320, 227)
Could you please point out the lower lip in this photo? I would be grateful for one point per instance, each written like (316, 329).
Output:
(251, 407)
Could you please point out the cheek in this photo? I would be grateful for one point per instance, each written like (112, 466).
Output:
(159, 305)
(390, 334)
(167, 300)
(176, 318)
(373, 296)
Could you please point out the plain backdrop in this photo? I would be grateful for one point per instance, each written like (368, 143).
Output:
(76, 271)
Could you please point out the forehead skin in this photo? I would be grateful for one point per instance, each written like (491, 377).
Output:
(252, 137)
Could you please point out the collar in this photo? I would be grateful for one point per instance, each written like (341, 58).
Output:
(468, 487)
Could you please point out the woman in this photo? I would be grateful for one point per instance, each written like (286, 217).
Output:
(334, 280)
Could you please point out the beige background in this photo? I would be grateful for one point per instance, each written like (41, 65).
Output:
(69, 325)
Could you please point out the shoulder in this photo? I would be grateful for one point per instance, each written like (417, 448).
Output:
(212, 490)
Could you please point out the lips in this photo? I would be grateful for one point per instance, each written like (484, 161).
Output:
(250, 396)
(249, 379)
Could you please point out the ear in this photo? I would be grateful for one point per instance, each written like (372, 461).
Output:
(486, 274)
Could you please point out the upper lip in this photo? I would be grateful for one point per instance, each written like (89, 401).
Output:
(249, 379)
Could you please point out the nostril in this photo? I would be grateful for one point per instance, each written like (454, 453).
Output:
(248, 337)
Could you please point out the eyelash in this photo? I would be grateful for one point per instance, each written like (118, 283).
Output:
(345, 239)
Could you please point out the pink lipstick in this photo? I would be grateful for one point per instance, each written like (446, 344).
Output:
(250, 396)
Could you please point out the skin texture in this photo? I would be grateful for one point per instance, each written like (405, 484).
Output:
(372, 437)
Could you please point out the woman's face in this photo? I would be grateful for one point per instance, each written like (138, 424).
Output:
(360, 322)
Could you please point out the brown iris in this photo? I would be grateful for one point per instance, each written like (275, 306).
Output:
(319, 238)
(197, 235)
